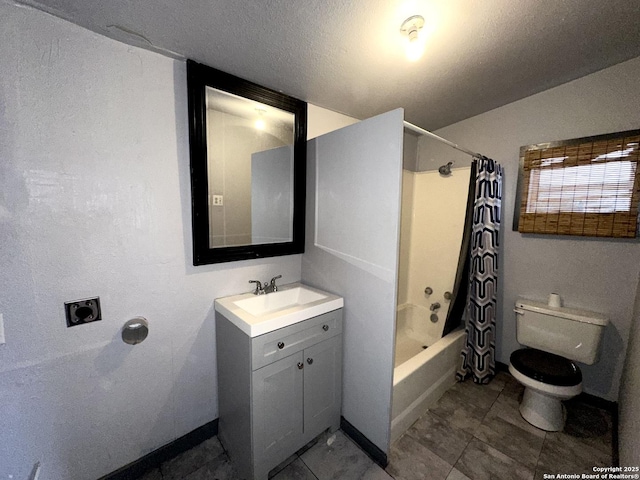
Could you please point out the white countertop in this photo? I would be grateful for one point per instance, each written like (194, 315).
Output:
(291, 304)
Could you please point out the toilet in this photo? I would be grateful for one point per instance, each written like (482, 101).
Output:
(557, 337)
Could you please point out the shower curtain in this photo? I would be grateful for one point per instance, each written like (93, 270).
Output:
(458, 305)
(478, 354)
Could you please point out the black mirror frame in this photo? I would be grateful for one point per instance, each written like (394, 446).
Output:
(198, 77)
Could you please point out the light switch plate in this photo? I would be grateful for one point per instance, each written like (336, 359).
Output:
(1, 330)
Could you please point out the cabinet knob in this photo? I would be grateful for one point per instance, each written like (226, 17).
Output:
(280, 345)
(300, 365)
(309, 361)
(325, 327)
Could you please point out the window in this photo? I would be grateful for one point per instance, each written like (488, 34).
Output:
(587, 186)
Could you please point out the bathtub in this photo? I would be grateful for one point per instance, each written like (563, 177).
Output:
(421, 375)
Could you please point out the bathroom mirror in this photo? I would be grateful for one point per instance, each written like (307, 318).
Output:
(248, 158)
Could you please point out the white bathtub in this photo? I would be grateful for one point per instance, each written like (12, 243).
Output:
(419, 381)
(414, 331)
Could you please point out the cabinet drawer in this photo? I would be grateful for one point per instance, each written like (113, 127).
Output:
(286, 341)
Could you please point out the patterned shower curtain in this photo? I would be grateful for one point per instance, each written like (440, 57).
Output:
(478, 354)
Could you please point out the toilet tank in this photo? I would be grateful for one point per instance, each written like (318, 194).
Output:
(568, 332)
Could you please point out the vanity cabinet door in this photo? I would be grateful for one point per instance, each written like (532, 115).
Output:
(278, 403)
(322, 386)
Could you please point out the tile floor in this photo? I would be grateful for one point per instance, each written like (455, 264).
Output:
(474, 432)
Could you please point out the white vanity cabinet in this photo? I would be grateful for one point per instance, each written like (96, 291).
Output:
(277, 391)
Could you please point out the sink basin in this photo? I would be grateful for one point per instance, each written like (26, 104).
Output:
(259, 314)
(282, 299)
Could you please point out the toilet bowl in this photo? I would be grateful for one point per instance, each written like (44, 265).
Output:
(556, 336)
(548, 380)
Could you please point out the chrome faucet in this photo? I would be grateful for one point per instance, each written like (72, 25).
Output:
(267, 287)
(272, 287)
(259, 289)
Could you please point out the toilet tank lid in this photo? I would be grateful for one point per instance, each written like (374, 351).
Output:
(562, 312)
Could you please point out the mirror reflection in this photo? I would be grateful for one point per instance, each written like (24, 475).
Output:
(250, 165)
(248, 153)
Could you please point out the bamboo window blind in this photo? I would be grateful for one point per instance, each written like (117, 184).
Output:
(587, 187)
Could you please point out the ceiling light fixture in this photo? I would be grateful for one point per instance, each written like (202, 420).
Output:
(260, 121)
(415, 43)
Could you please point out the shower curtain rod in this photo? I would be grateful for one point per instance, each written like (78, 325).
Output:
(422, 131)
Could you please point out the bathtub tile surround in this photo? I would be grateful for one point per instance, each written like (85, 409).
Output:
(495, 442)
(428, 255)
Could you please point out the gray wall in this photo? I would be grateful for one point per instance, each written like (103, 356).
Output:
(595, 274)
(410, 151)
(95, 200)
(352, 250)
(629, 422)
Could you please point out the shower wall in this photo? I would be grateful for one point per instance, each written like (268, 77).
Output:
(432, 222)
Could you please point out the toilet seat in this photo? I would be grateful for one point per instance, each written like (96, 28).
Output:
(548, 379)
(545, 367)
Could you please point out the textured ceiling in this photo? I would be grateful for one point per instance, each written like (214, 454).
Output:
(347, 55)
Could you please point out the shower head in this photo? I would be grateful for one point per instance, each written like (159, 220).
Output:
(445, 170)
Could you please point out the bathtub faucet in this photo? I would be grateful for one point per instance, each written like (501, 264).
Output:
(434, 307)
